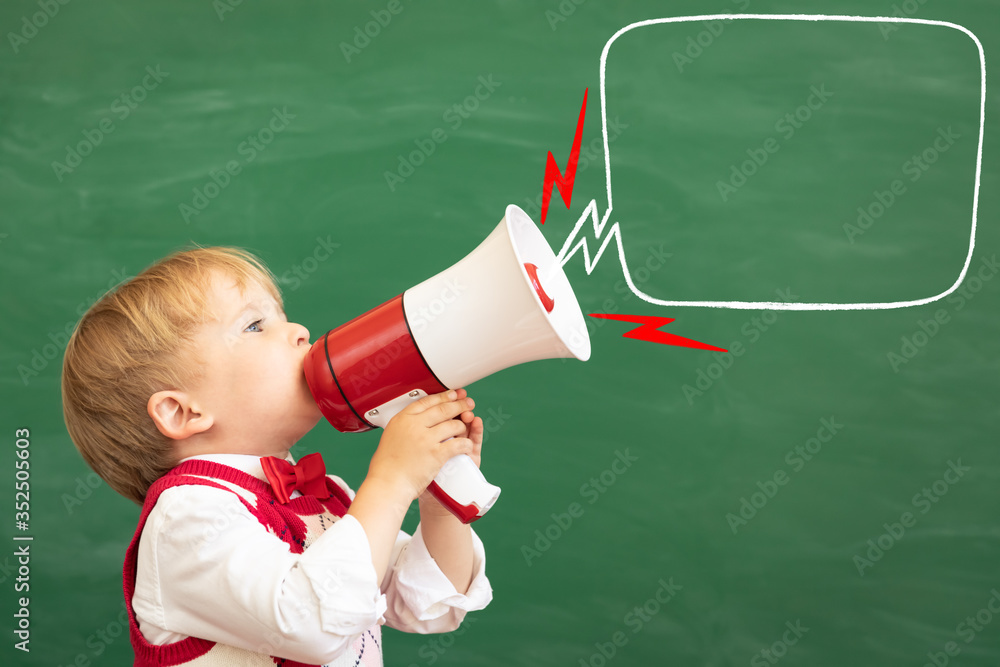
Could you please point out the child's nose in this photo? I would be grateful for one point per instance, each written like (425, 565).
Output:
(300, 335)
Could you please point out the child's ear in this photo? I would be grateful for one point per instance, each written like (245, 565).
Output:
(175, 416)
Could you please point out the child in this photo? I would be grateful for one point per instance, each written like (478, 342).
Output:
(184, 390)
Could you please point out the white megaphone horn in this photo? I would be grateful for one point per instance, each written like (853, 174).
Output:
(507, 302)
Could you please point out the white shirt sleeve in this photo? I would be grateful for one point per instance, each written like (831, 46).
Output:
(207, 568)
(421, 598)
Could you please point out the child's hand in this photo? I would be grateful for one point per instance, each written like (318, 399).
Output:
(418, 440)
(474, 432)
(429, 505)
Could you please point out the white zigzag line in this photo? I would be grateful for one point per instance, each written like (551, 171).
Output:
(613, 233)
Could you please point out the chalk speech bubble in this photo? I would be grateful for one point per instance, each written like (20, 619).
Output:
(614, 231)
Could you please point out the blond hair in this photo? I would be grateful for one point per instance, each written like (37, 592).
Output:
(132, 343)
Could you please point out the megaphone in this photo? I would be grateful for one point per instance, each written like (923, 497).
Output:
(506, 303)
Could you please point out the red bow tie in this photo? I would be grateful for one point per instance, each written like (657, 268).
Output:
(308, 476)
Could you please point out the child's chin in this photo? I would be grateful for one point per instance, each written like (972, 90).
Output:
(313, 410)
(313, 417)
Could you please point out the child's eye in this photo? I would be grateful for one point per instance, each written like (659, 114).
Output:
(254, 327)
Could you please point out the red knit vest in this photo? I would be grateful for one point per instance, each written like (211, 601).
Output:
(283, 520)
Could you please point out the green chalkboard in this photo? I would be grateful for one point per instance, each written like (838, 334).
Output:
(825, 493)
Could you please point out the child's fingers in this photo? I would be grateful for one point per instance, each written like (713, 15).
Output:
(445, 411)
(476, 433)
(439, 407)
(457, 445)
(429, 401)
(451, 428)
(467, 417)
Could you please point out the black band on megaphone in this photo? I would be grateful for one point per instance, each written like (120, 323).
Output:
(329, 364)
(416, 345)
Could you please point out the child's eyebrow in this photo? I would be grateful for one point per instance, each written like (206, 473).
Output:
(245, 310)
(256, 305)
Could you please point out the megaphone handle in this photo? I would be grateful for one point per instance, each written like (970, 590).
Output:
(461, 487)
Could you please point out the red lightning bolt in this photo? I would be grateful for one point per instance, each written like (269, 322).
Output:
(552, 174)
(650, 331)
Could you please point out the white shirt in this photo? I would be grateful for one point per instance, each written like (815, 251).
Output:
(208, 568)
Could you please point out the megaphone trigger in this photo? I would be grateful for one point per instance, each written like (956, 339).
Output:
(462, 488)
